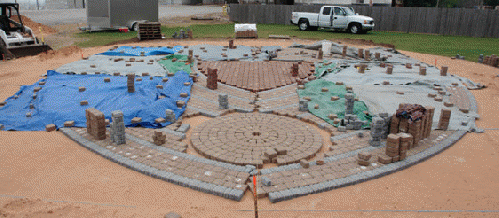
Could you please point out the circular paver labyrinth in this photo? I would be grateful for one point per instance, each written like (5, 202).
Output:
(246, 139)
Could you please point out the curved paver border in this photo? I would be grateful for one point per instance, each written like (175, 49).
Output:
(367, 175)
(233, 194)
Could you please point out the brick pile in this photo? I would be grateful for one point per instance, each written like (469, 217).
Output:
(443, 123)
(491, 60)
(396, 148)
(212, 80)
(413, 119)
(96, 124)
(360, 53)
(118, 128)
(159, 138)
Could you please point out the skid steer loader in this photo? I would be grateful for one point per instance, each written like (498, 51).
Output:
(16, 40)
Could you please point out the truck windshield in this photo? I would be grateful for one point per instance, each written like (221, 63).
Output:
(349, 11)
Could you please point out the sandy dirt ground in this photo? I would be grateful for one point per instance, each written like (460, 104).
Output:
(48, 175)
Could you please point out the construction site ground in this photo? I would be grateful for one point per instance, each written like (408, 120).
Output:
(49, 175)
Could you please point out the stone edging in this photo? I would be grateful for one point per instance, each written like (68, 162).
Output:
(229, 193)
(367, 175)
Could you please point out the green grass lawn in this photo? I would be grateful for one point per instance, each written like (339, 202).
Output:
(421, 43)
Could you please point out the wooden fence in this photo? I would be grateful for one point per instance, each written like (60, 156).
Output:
(444, 21)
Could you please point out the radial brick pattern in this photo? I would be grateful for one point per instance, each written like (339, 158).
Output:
(244, 139)
(256, 76)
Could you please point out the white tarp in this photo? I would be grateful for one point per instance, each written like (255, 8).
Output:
(245, 27)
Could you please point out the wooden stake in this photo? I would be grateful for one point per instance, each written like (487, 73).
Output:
(256, 199)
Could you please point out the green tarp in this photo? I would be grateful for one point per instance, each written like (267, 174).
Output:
(321, 69)
(313, 89)
(178, 65)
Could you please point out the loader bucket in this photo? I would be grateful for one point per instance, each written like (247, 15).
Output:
(29, 50)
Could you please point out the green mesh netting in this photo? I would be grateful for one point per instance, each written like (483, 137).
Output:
(179, 65)
(321, 69)
(313, 89)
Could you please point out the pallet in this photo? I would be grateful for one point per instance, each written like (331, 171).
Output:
(246, 34)
(149, 30)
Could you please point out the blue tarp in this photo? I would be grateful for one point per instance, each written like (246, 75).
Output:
(131, 51)
(59, 100)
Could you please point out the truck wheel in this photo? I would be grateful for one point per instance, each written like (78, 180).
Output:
(303, 25)
(355, 28)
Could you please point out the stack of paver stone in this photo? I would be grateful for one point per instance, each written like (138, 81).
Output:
(130, 82)
(492, 60)
(349, 102)
(396, 148)
(352, 122)
(170, 116)
(223, 101)
(363, 159)
(211, 81)
(303, 105)
(376, 131)
(443, 123)
(96, 124)
(294, 70)
(159, 137)
(413, 119)
(118, 128)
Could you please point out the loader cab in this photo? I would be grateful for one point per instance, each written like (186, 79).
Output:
(10, 19)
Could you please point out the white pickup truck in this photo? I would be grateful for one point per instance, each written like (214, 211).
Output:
(333, 17)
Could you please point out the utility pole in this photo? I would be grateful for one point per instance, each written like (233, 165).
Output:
(438, 1)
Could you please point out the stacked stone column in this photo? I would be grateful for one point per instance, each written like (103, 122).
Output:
(321, 54)
(443, 71)
(212, 80)
(96, 123)
(428, 121)
(344, 54)
(294, 70)
(376, 131)
(386, 125)
(415, 130)
(223, 101)
(349, 102)
(392, 145)
(405, 142)
(170, 116)
(159, 138)
(443, 123)
(118, 128)
(130, 82)
(303, 105)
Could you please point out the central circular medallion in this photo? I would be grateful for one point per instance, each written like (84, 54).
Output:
(255, 139)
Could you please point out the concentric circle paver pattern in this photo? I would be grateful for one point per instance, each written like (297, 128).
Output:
(246, 139)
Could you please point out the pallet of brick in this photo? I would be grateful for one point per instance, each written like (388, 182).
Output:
(247, 34)
(149, 30)
(96, 123)
(445, 115)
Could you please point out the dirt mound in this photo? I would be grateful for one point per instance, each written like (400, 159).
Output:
(65, 51)
(46, 30)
